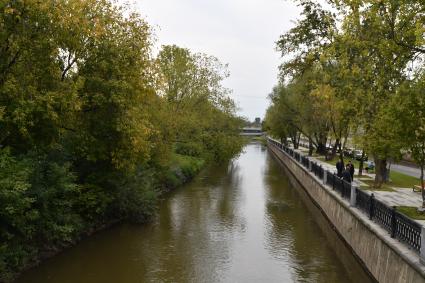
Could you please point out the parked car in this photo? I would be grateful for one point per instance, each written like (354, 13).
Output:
(358, 155)
(348, 152)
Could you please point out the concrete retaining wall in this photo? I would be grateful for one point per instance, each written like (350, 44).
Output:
(385, 258)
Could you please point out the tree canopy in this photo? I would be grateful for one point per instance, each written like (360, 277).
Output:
(356, 60)
(93, 126)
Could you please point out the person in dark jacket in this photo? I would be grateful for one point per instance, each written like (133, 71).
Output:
(351, 169)
(339, 168)
(346, 175)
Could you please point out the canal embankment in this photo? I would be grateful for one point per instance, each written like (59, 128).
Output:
(383, 254)
(241, 221)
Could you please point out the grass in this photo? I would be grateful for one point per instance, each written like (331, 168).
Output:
(403, 181)
(335, 160)
(370, 187)
(411, 212)
(397, 179)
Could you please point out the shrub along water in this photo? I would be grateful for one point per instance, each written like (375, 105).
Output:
(93, 128)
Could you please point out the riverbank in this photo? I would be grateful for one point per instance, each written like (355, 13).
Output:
(182, 169)
(240, 221)
(385, 257)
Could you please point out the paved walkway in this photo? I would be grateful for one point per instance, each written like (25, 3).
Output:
(399, 197)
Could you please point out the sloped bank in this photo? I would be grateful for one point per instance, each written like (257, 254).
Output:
(182, 170)
(385, 258)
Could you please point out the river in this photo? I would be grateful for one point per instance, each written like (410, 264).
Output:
(242, 222)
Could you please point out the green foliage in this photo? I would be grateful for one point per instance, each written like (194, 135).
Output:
(297, 109)
(203, 120)
(357, 68)
(182, 168)
(189, 148)
(16, 213)
(90, 122)
(58, 221)
(38, 211)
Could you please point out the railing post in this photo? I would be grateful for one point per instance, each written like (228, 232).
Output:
(371, 206)
(393, 222)
(353, 195)
(333, 181)
(422, 251)
(325, 177)
(310, 163)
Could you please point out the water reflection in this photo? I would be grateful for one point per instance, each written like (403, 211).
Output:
(241, 222)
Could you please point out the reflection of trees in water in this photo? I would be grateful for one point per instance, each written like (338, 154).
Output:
(293, 235)
(228, 206)
(196, 226)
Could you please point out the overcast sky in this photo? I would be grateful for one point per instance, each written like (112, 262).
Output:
(241, 33)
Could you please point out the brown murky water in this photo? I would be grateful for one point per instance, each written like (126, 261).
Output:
(242, 222)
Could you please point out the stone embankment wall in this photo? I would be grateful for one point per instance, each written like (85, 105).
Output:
(386, 259)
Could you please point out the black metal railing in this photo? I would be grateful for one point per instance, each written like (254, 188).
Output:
(363, 201)
(321, 172)
(341, 186)
(314, 168)
(383, 214)
(297, 156)
(397, 224)
(408, 231)
(317, 170)
(305, 161)
(330, 179)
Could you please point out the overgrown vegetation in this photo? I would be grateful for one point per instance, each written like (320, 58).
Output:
(93, 128)
(354, 68)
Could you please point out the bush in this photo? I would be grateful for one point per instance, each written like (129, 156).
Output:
(38, 211)
(189, 149)
(135, 195)
(55, 194)
(17, 214)
(182, 169)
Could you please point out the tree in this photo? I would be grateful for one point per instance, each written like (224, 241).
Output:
(364, 50)
(203, 118)
(406, 116)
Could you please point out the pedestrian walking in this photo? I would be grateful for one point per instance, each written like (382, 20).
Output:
(351, 169)
(346, 175)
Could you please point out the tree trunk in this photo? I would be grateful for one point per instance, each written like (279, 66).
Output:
(422, 185)
(380, 172)
(298, 140)
(310, 147)
(341, 156)
(321, 148)
(361, 164)
(334, 148)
